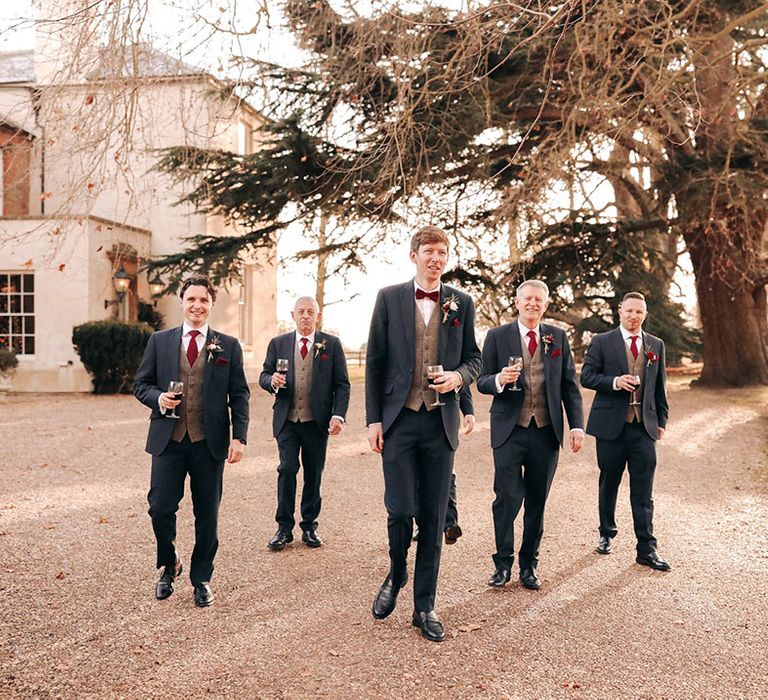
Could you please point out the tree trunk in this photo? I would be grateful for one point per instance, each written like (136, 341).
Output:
(322, 269)
(734, 316)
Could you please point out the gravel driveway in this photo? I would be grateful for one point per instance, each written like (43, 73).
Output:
(79, 619)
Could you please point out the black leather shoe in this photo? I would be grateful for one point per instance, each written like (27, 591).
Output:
(280, 539)
(203, 595)
(452, 533)
(529, 579)
(653, 561)
(386, 598)
(499, 578)
(164, 586)
(311, 539)
(430, 626)
(604, 546)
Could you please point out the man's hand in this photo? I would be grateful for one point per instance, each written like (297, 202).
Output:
(236, 451)
(278, 381)
(626, 382)
(167, 402)
(577, 440)
(661, 432)
(335, 426)
(469, 424)
(445, 382)
(508, 375)
(376, 437)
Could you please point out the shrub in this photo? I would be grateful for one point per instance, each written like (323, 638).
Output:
(111, 352)
(8, 360)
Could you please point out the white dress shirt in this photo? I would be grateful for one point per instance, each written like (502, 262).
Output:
(426, 306)
(627, 336)
(185, 338)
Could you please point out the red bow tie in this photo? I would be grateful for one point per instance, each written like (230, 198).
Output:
(421, 294)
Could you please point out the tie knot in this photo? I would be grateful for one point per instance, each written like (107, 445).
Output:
(531, 335)
(194, 334)
(433, 296)
(305, 341)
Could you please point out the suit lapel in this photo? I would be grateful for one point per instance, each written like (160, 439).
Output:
(208, 368)
(442, 328)
(546, 358)
(175, 351)
(515, 343)
(620, 348)
(408, 310)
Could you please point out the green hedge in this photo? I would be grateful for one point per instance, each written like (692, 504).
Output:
(111, 352)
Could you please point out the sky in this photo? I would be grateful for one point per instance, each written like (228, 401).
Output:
(171, 28)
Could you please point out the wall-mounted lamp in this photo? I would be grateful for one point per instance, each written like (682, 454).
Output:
(122, 282)
(156, 288)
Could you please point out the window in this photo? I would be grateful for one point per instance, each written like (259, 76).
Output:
(17, 312)
(243, 139)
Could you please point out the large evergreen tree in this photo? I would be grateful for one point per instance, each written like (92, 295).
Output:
(492, 110)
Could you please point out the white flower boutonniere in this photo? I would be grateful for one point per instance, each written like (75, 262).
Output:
(547, 340)
(214, 347)
(319, 347)
(450, 304)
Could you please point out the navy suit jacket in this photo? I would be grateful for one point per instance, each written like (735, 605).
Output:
(559, 381)
(225, 390)
(329, 395)
(392, 348)
(606, 359)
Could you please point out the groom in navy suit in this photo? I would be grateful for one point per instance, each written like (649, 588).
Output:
(311, 402)
(210, 365)
(415, 325)
(527, 425)
(627, 418)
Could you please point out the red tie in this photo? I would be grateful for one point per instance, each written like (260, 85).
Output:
(633, 348)
(192, 347)
(421, 294)
(531, 342)
(304, 350)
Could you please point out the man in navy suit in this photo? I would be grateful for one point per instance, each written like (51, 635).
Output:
(311, 403)
(415, 325)
(527, 425)
(627, 418)
(210, 365)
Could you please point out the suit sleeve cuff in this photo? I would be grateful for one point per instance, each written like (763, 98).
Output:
(339, 418)
(497, 380)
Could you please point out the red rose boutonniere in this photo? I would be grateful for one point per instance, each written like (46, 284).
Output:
(456, 323)
(651, 356)
(556, 352)
(450, 304)
(547, 340)
(214, 348)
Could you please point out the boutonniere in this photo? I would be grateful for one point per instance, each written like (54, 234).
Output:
(651, 356)
(320, 347)
(214, 347)
(450, 304)
(547, 340)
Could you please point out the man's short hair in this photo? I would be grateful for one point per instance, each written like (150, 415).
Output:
(198, 281)
(428, 234)
(633, 295)
(535, 283)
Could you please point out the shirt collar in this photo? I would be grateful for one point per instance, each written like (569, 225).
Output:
(186, 328)
(310, 338)
(416, 286)
(524, 329)
(627, 335)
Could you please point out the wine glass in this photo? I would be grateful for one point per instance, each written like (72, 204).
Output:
(516, 363)
(177, 389)
(282, 367)
(434, 371)
(636, 380)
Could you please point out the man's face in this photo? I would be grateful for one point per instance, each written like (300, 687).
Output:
(305, 316)
(632, 313)
(531, 302)
(430, 260)
(196, 305)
